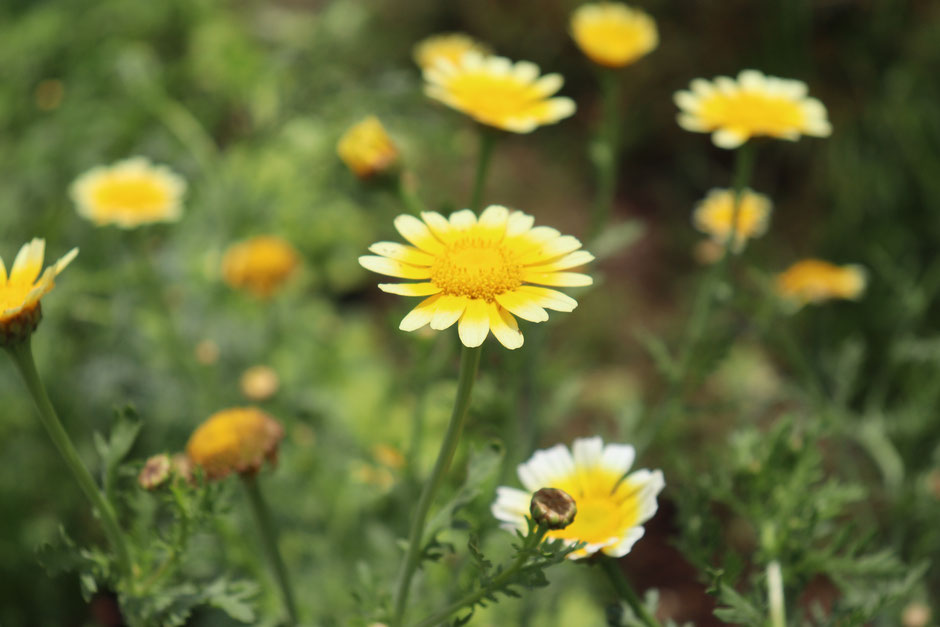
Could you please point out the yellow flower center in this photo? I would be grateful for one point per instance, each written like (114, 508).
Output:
(756, 112)
(475, 268)
(606, 506)
(139, 195)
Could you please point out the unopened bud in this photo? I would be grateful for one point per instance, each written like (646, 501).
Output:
(553, 508)
(155, 472)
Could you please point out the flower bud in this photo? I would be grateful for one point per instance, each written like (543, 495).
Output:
(553, 508)
(366, 148)
(155, 472)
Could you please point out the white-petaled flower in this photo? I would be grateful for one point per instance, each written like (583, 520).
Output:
(612, 505)
(497, 92)
(129, 193)
(754, 105)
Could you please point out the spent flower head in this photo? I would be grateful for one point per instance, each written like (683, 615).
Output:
(753, 105)
(714, 216)
(260, 264)
(22, 289)
(129, 193)
(479, 272)
(156, 471)
(494, 91)
(238, 440)
(611, 504)
(366, 148)
(613, 34)
(449, 47)
(817, 281)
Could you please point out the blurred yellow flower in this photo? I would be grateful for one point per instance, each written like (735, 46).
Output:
(715, 213)
(260, 264)
(447, 47)
(612, 505)
(366, 148)
(129, 194)
(480, 271)
(816, 281)
(235, 440)
(613, 34)
(494, 91)
(259, 383)
(24, 287)
(753, 105)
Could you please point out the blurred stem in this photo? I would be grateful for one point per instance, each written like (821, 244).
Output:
(188, 131)
(406, 193)
(606, 151)
(259, 508)
(531, 543)
(487, 142)
(469, 364)
(625, 590)
(22, 355)
(775, 595)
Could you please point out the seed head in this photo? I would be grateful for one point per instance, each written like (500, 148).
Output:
(553, 508)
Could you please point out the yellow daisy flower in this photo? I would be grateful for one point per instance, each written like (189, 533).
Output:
(715, 213)
(479, 272)
(447, 46)
(129, 194)
(366, 148)
(235, 440)
(260, 264)
(494, 91)
(754, 105)
(22, 289)
(613, 34)
(816, 281)
(612, 505)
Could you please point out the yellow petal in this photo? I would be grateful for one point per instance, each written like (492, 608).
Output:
(410, 289)
(474, 324)
(417, 232)
(463, 219)
(400, 252)
(420, 315)
(28, 262)
(390, 267)
(3, 273)
(448, 311)
(558, 279)
(553, 248)
(439, 226)
(65, 260)
(547, 298)
(572, 260)
(523, 306)
(504, 327)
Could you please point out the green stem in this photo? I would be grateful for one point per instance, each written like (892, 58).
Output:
(471, 599)
(269, 542)
(469, 364)
(487, 142)
(626, 591)
(605, 155)
(406, 193)
(22, 355)
(188, 131)
(778, 617)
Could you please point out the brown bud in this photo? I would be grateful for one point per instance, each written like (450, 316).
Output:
(16, 329)
(553, 508)
(155, 472)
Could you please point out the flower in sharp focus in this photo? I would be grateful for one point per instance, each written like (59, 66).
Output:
(129, 193)
(754, 105)
(494, 91)
(22, 289)
(260, 264)
(714, 216)
(612, 505)
(816, 281)
(480, 272)
(447, 46)
(613, 34)
(366, 148)
(235, 440)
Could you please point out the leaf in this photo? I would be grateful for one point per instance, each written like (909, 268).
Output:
(124, 431)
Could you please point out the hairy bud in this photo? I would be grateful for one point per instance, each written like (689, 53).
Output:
(553, 508)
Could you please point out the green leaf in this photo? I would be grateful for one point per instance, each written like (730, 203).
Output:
(124, 431)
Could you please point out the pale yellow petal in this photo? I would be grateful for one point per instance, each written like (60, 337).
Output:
(504, 327)
(463, 219)
(3, 273)
(66, 259)
(448, 311)
(402, 253)
(420, 315)
(571, 260)
(28, 262)
(390, 267)
(417, 232)
(548, 298)
(523, 306)
(474, 324)
(410, 289)
(439, 226)
(558, 279)
(552, 249)
(518, 223)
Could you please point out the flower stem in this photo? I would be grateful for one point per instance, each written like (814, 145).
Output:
(778, 617)
(487, 142)
(605, 152)
(627, 593)
(405, 187)
(22, 355)
(469, 364)
(269, 541)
